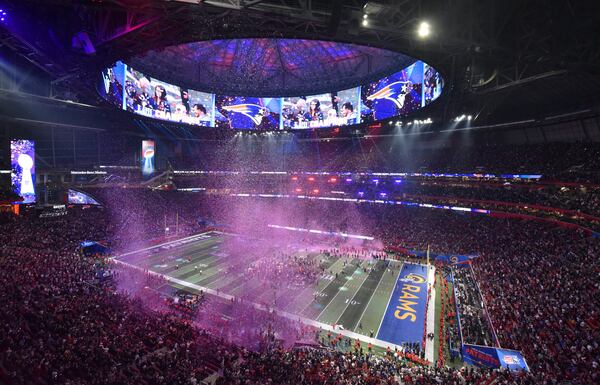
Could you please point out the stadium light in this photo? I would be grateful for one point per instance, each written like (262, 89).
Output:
(365, 23)
(424, 30)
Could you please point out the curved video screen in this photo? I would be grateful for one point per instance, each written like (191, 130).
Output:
(398, 94)
(340, 108)
(248, 113)
(150, 97)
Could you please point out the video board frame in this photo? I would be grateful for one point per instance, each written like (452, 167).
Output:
(398, 94)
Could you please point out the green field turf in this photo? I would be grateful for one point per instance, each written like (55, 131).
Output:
(356, 299)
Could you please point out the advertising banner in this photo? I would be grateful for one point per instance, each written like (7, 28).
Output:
(147, 157)
(486, 356)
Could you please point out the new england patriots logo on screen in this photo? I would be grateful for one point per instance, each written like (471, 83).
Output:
(253, 111)
(395, 92)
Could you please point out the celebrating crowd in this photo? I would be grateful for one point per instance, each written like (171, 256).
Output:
(576, 162)
(60, 326)
(64, 325)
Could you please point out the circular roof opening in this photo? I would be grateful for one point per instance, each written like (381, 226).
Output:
(269, 66)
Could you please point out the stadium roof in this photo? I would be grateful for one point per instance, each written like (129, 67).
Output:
(269, 66)
(502, 61)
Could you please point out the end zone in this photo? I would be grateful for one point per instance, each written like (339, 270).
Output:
(404, 318)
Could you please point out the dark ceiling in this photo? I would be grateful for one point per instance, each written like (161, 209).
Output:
(502, 60)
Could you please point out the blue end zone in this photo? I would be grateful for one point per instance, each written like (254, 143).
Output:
(404, 319)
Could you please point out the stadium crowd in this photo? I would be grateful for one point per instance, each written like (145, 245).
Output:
(580, 199)
(63, 325)
(585, 200)
(473, 319)
(60, 326)
(575, 162)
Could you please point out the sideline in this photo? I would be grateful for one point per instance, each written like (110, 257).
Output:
(429, 344)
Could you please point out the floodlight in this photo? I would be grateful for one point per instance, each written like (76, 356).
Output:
(424, 30)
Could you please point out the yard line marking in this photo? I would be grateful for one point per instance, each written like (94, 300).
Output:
(389, 299)
(199, 236)
(290, 316)
(314, 290)
(338, 292)
(370, 298)
(197, 247)
(355, 294)
(323, 289)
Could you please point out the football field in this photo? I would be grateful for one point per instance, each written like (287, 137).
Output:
(382, 299)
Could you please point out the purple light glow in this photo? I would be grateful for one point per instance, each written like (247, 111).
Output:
(244, 66)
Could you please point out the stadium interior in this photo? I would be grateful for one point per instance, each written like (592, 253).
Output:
(387, 192)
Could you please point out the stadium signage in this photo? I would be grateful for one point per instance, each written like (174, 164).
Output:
(378, 201)
(409, 298)
(119, 167)
(404, 319)
(192, 189)
(492, 357)
(482, 357)
(376, 174)
(405, 303)
(88, 172)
